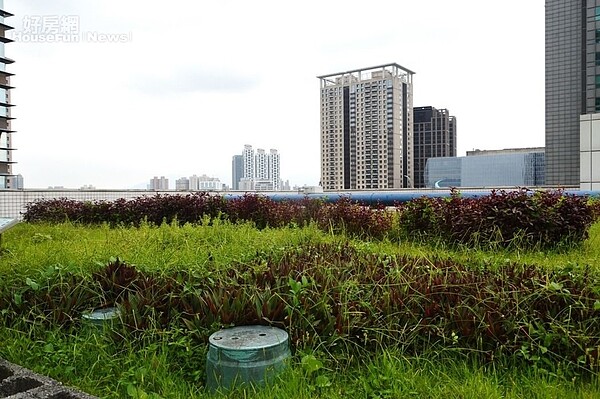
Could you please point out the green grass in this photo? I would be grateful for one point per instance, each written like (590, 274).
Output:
(78, 249)
(32, 248)
(170, 364)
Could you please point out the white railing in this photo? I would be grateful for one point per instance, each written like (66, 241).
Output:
(12, 202)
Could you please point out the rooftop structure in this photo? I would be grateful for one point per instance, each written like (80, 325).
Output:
(366, 128)
(434, 137)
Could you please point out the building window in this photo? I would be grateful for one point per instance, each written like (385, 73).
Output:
(597, 85)
(597, 13)
(597, 35)
(597, 103)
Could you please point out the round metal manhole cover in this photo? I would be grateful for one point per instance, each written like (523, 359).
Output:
(247, 354)
(248, 338)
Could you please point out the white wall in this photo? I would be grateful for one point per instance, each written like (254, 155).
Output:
(589, 154)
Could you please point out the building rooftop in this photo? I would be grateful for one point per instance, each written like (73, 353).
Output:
(369, 69)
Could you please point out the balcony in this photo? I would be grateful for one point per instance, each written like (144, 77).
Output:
(5, 60)
(5, 86)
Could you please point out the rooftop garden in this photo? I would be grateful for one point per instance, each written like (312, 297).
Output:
(496, 296)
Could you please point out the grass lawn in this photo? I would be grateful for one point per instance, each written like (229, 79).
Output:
(39, 261)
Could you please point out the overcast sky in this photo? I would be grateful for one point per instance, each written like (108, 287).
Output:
(176, 88)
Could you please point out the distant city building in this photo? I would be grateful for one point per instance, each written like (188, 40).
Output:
(182, 184)
(263, 185)
(572, 85)
(156, 183)
(248, 162)
(237, 171)
(205, 183)
(502, 168)
(256, 170)
(366, 128)
(88, 187)
(434, 137)
(246, 184)
(274, 169)
(261, 165)
(7, 178)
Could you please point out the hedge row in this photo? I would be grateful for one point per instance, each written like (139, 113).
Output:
(201, 207)
(522, 218)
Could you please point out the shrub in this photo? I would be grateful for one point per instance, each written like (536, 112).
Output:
(522, 218)
(189, 208)
(356, 219)
(259, 209)
(53, 210)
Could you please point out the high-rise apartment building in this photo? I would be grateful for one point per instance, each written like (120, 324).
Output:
(248, 162)
(366, 128)
(572, 83)
(434, 136)
(182, 184)
(260, 170)
(157, 183)
(274, 169)
(6, 147)
(261, 165)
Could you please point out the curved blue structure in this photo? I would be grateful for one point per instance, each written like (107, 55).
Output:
(389, 198)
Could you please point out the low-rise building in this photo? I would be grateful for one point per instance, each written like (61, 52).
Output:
(501, 168)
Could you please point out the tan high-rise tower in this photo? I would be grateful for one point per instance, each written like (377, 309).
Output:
(366, 129)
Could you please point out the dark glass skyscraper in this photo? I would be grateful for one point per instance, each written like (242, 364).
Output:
(572, 82)
(237, 171)
(434, 137)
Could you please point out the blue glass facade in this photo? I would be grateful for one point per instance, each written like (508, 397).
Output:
(498, 170)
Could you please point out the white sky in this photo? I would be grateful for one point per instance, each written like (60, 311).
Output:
(194, 81)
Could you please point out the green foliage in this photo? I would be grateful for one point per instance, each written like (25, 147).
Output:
(517, 219)
(325, 294)
(350, 308)
(514, 219)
